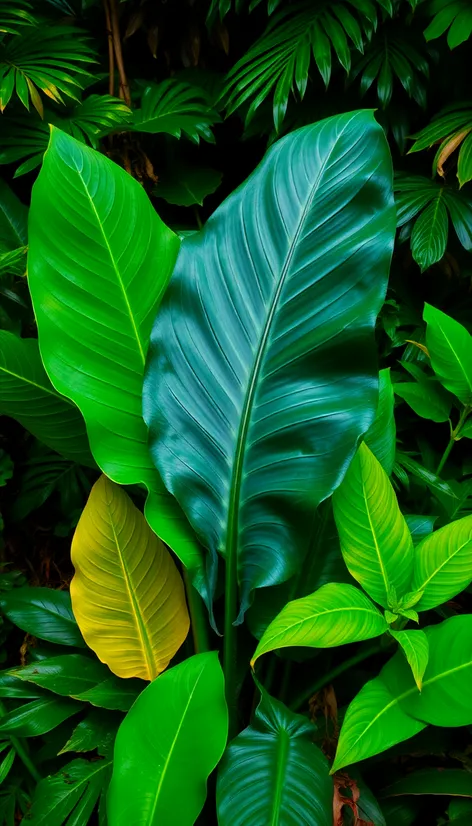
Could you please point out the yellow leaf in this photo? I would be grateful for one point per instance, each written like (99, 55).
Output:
(127, 595)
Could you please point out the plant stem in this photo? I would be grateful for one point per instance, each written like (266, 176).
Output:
(25, 758)
(453, 438)
(362, 655)
(111, 53)
(115, 31)
(229, 643)
(201, 640)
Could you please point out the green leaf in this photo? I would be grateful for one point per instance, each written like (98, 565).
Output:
(444, 700)
(415, 646)
(185, 710)
(375, 721)
(429, 236)
(27, 395)
(273, 773)
(432, 781)
(334, 615)
(71, 794)
(426, 396)
(82, 678)
(419, 526)
(13, 220)
(44, 613)
(38, 717)
(96, 731)
(381, 435)
(443, 563)
(82, 200)
(450, 348)
(188, 185)
(255, 460)
(174, 107)
(375, 540)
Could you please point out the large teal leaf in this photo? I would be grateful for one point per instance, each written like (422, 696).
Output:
(272, 773)
(261, 374)
(168, 744)
(99, 262)
(27, 395)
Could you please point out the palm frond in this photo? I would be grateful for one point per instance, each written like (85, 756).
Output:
(14, 15)
(279, 62)
(452, 130)
(175, 107)
(50, 60)
(451, 16)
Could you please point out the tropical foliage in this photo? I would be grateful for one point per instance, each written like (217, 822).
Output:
(236, 400)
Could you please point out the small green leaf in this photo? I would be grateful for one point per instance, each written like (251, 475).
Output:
(39, 716)
(375, 540)
(336, 614)
(381, 435)
(70, 795)
(416, 649)
(96, 731)
(44, 613)
(426, 396)
(188, 185)
(450, 348)
(443, 563)
(272, 773)
(429, 236)
(179, 720)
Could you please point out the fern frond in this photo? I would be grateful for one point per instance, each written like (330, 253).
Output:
(43, 59)
(452, 130)
(279, 62)
(14, 15)
(175, 107)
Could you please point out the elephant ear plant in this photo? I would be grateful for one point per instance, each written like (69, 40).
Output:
(255, 342)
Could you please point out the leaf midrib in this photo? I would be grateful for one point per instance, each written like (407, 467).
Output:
(281, 756)
(461, 366)
(116, 270)
(372, 611)
(236, 479)
(441, 566)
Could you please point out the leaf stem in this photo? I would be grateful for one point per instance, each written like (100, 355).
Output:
(25, 758)
(362, 655)
(229, 642)
(453, 438)
(201, 640)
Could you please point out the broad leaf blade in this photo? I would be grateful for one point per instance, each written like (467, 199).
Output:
(381, 435)
(127, 595)
(70, 795)
(429, 236)
(249, 367)
(443, 564)
(99, 262)
(375, 541)
(44, 613)
(273, 773)
(334, 615)
(185, 710)
(27, 395)
(450, 347)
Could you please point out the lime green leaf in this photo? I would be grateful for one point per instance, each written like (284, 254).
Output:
(426, 396)
(27, 395)
(144, 621)
(415, 646)
(70, 795)
(381, 436)
(185, 711)
(450, 348)
(443, 563)
(44, 613)
(429, 236)
(375, 540)
(94, 341)
(374, 720)
(247, 462)
(336, 614)
(273, 773)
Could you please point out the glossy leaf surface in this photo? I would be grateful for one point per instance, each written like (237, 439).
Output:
(13, 220)
(39, 716)
(27, 395)
(95, 309)
(415, 646)
(375, 541)
(433, 781)
(336, 614)
(381, 435)
(273, 773)
(70, 795)
(257, 370)
(450, 349)
(127, 595)
(443, 563)
(176, 729)
(44, 613)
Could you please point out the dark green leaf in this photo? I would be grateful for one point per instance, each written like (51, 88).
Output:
(44, 613)
(433, 781)
(38, 717)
